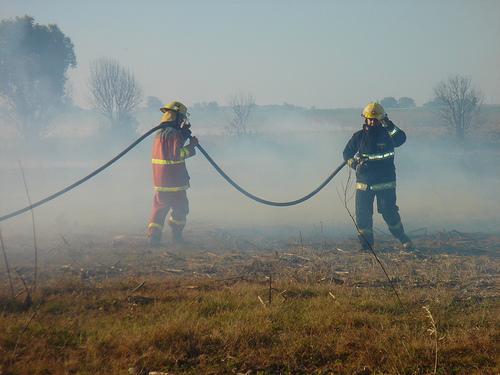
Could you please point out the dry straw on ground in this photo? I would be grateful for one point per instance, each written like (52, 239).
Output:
(230, 302)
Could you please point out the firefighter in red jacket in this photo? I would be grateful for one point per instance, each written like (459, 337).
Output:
(370, 152)
(170, 176)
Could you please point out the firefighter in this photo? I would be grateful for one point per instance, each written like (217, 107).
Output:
(370, 152)
(170, 176)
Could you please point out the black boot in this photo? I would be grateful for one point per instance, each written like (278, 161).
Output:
(408, 245)
(398, 232)
(366, 240)
(405, 241)
(154, 240)
(177, 235)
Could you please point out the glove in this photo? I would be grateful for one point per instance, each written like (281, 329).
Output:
(361, 165)
(185, 129)
(194, 141)
(383, 118)
(386, 123)
(358, 163)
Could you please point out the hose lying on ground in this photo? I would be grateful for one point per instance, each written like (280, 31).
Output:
(140, 139)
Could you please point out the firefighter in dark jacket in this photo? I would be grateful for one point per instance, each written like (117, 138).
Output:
(371, 153)
(170, 176)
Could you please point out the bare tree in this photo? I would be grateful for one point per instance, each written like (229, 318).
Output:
(115, 93)
(459, 105)
(241, 105)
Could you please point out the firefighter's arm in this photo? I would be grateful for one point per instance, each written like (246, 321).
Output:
(176, 150)
(190, 148)
(187, 151)
(193, 141)
(397, 135)
(349, 151)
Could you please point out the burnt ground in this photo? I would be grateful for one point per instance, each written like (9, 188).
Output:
(463, 269)
(464, 261)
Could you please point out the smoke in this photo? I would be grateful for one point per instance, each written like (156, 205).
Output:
(445, 186)
(440, 186)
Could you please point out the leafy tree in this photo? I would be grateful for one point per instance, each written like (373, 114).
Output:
(115, 93)
(210, 106)
(213, 106)
(389, 102)
(34, 60)
(153, 103)
(406, 102)
(459, 105)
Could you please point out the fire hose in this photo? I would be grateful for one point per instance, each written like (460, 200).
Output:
(210, 160)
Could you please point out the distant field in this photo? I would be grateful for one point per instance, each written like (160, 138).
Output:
(83, 123)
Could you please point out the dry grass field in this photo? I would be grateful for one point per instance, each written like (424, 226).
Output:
(250, 302)
(268, 301)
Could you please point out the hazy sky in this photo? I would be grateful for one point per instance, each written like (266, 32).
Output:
(327, 54)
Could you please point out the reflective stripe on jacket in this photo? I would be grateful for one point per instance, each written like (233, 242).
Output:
(382, 156)
(168, 156)
(376, 145)
(376, 187)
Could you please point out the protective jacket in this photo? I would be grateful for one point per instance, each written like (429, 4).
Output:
(169, 153)
(375, 147)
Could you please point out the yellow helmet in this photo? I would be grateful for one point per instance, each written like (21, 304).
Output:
(373, 110)
(178, 107)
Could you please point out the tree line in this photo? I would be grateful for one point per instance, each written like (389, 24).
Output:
(35, 60)
(391, 102)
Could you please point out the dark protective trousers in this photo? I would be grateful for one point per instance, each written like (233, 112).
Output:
(386, 206)
(163, 202)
